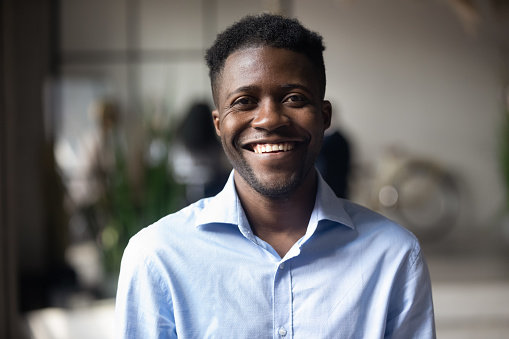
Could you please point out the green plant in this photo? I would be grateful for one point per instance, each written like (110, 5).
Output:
(126, 208)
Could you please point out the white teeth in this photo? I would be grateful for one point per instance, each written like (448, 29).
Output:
(267, 148)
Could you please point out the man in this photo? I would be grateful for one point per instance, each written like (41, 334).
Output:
(276, 254)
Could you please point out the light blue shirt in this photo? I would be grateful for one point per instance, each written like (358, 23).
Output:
(201, 273)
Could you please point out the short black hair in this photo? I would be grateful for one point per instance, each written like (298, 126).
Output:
(270, 30)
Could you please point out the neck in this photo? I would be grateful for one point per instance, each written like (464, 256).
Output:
(281, 223)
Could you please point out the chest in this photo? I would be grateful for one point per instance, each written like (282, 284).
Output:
(323, 292)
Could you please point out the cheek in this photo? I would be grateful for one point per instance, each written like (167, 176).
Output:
(227, 132)
(313, 123)
(233, 124)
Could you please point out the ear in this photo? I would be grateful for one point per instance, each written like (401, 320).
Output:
(326, 114)
(215, 118)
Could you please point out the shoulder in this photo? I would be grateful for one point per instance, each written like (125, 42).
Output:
(370, 227)
(168, 230)
(367, 219)
(381, 232)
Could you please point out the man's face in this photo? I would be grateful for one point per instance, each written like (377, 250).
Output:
(271, 118)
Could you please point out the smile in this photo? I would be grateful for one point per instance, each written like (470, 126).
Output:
(269, 148)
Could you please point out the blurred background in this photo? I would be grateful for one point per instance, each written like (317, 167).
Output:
(104, 129)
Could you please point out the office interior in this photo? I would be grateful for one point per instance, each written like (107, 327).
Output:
(93, 98)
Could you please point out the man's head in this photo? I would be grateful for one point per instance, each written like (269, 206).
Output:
(265, 30)
(270, 113)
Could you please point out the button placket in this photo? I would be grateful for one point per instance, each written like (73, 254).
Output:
(282, 302)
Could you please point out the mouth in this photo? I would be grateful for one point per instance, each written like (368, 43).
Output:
(272, 147)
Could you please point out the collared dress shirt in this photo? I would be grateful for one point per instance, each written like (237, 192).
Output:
(202, 273)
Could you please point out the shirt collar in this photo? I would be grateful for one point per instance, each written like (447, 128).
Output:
(225, 208)
(329, 207)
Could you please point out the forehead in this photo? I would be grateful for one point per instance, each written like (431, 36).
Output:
(266, 66)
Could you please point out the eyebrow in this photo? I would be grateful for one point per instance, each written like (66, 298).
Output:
(296, 86)
(242, 89)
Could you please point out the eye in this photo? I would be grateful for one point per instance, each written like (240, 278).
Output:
(243, 101)
(296, 100)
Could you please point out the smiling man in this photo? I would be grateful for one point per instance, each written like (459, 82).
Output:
(276, 254)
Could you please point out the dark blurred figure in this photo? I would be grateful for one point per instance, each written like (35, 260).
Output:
(334, 162)
(198, 158)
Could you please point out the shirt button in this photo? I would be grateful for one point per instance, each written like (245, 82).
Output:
(282, 331)
(282, 265)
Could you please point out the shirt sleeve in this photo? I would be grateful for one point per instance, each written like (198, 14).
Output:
(410, 313)
(143, 303)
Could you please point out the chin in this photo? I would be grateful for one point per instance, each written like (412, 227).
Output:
(280, 192)
(274, 188)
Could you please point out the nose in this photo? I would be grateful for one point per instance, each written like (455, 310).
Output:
(270, 116)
